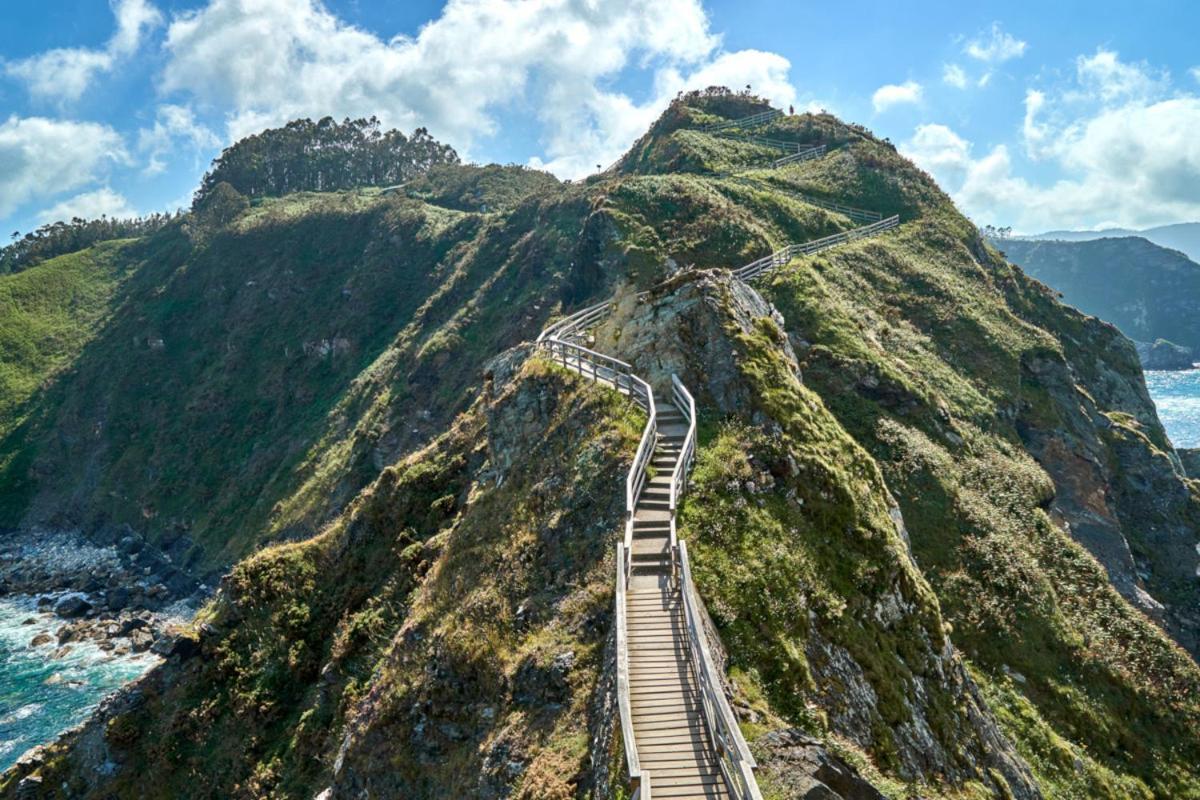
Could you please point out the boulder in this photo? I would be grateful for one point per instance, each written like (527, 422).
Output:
(72, 604)
(141, 640)
(117, 598)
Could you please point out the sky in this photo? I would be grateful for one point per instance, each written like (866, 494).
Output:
(1032, 115)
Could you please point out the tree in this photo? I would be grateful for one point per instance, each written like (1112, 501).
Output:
(323, 156)
(221, 206)
(59, 238)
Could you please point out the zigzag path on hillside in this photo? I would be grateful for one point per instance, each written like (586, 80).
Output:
(680, 737)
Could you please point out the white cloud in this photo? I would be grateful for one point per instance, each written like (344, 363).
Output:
(577, 147)
(135, 18)
(268, 61)
(1033, 132)
(89, 205)
(66, 73)
(953, 75)
(896, 94)
(173, 124)
(940, 151)
(1117, 147)
(995, 46)
(40, 157)
(1105, 77)
(1134, 166)
(1195, 73)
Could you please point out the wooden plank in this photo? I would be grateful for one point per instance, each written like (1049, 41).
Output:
(717, 792)
(664, 744)
(700, 762)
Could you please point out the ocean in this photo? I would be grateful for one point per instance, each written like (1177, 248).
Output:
(40, 695)
(1177, 396)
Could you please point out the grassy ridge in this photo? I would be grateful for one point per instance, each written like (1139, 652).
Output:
(408, 616)
(920, 344)
(250, 379)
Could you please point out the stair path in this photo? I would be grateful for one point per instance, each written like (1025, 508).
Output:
(680, 736)
(668, 722)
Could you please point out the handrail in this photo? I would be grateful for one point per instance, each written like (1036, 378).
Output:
(737, 762)
(760, 118)
(564, 341)
(571, 326)
(816, 151)
(558, 341)
(734, 756)
(682, 399)
(857, 214)
(635, 480)
(780, 257)
(764, 141)
(632, 763)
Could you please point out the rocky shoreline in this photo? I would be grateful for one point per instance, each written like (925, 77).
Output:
(125, 597)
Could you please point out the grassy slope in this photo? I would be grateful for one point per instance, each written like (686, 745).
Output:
(47, 316)
(916, 342)
(250, 380)
(402, 621)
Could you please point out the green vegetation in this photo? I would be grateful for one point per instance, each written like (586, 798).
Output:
(245, 374)
(268, 366)
(323, 156)
(59, 238)
(921, 345)
(469, 187)
(449, 578)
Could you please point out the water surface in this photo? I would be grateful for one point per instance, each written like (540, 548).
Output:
(40, 695)
(1177, 396)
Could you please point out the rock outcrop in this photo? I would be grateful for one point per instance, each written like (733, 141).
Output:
(726, 343)
(1166, 355)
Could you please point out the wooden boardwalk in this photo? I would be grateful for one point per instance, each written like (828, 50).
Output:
(668, 717)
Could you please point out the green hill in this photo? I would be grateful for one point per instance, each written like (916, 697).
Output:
(1147, 291)
(934, 517)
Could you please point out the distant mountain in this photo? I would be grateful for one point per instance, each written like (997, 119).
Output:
(1149, 292)
(1184, 237)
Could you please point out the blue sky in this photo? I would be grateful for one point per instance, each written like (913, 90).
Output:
(1035, 115)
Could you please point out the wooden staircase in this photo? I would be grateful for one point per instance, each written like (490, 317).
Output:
(668, 716)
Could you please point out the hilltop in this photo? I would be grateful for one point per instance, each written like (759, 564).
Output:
(947, 548)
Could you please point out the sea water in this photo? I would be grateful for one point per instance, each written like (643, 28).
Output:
(1177, 397)
(40, 695)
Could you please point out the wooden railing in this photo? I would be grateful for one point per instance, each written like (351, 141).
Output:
(561, 343)
(807, 154)
(783, 256)
(733, 754)
(761, 118)
(638, 780)
(682, 399)
(856, 214)
(564, 341)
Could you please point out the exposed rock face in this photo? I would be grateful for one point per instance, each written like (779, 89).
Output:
(1190, 458)
(1165, 355)
(704, 327)
(680, 327)
(1119, 488)
(802, 768)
